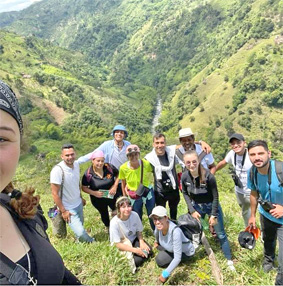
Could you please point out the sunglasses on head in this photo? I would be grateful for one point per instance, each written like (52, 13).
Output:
(135, 149)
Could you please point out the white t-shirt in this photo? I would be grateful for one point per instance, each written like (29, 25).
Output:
(71, 188)
(242, 172)
(129, 227)
(207, 159)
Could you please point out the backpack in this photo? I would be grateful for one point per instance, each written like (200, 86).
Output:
(278, 170)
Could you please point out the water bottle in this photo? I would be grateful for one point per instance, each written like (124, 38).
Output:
(204, 223)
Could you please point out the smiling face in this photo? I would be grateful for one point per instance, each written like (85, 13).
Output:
(159, 144)
(238, 146)
(161, 223)
(68, 155)
(125, 210)
(259, 156)
(119, 135)
(9, 148)
(98, 163)
(191, 161)
(188, 142)
(133, 157)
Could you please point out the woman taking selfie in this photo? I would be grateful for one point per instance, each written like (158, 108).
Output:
(100, 181)
(201, 195)
(27, 257)
(126, 233)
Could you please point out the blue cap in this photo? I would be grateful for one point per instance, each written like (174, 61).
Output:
(120, 127)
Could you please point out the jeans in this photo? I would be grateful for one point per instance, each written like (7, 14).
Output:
(76, 224)
(244, 202)
(270, 232)
(206, 208)
(149, 204)
(173, 199)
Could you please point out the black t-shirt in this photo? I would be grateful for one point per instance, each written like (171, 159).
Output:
(95, 183)
(164, 185)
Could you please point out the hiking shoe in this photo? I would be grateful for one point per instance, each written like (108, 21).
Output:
(267, 266)
(279, 279)
(230, 265)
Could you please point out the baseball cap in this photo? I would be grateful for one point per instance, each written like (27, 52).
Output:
(237, 136)
(159, 211)
(185, 132)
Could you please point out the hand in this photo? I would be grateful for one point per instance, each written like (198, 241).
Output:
(212, 221)
(251, 222)
(139, 252)
(83, 201)
(205, 147)
(196, 215)
(162, 279)
(155, 244)
(126, 192)
(144, 246)
(113, 190)
(66, 215)
(98, 194)
(277, 212)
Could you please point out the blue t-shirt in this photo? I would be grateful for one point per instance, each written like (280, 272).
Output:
(275, 195)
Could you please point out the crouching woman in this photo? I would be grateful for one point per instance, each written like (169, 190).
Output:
(126, 233)
(172, 244)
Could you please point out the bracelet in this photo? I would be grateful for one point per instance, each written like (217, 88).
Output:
(165, 274)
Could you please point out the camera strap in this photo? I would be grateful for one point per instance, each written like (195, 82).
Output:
(268, 180)
(243, 159)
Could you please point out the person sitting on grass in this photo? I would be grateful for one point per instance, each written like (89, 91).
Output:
(126, 233)
(171, 242)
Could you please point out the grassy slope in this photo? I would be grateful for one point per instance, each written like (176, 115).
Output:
(101, 264)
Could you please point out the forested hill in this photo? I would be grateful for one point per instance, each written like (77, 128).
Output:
(216, 64)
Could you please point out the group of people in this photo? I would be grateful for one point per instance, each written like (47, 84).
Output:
(120, 180)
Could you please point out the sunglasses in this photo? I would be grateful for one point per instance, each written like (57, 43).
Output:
(155, 218)
(135, 149)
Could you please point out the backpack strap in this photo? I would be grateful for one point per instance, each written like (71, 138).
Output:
(88, 175)
(179, 154)
(201, 155)
(279, 171)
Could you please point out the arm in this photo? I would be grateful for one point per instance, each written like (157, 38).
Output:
(125, 247)
(219, 166)
(123, 185)
(212, 168)
(143, 245)
(205, 147)
(253, 200)
(55, 189)
(113, 189)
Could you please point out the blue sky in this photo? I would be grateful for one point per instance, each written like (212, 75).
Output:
(15, 5)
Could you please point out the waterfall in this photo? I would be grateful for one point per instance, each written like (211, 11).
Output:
(157, 113)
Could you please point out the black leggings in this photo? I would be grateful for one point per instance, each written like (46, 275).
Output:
(173, 199)
(138, 259)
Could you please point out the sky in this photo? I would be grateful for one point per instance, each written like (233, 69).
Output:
(15, 5)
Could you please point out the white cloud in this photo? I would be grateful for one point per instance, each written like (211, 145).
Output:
(15, 5)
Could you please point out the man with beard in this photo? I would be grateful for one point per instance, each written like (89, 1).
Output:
(70, 202)
(267, 190)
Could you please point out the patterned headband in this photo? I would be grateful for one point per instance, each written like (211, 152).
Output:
(9, 103)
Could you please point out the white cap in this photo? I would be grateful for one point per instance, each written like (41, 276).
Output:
(159, 211)
(185, 132)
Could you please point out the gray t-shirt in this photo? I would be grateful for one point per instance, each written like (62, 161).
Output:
(175, 242)
(129, 227)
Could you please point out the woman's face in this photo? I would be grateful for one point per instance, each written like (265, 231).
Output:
(134, 157)
(98, 163)
(191, 161)
(9, 148)
(160, 222)
(125, 210)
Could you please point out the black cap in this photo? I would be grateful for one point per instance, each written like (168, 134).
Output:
(237, 136)
(246, 240)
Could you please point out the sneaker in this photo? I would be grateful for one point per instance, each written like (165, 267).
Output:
(230, 265)
(279, 279)
(267, 266)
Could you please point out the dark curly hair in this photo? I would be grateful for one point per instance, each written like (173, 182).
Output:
(24, 203)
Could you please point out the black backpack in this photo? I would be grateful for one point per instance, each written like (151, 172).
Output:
(191, 228)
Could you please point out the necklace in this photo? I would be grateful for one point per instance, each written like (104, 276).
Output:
(30, 278)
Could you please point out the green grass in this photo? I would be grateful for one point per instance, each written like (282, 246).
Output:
(102, 264)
